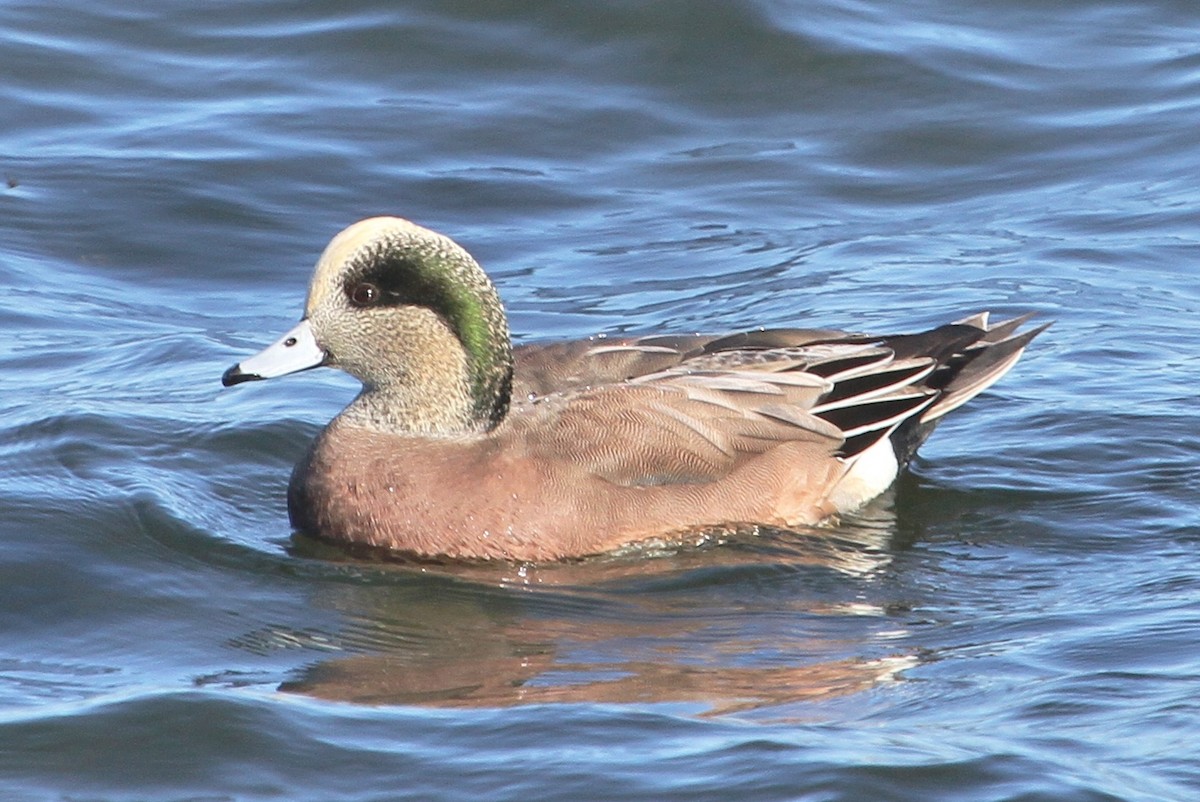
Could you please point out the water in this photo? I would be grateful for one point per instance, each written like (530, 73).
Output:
(1018, 621)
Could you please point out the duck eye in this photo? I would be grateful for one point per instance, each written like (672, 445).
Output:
(364, 294)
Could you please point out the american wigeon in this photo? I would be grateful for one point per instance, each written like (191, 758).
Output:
(461, 446)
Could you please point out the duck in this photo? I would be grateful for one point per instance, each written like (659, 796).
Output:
(460, 446)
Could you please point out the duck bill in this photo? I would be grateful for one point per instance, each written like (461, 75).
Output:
(295, 351)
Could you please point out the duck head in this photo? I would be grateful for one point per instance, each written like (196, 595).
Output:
(412, 316)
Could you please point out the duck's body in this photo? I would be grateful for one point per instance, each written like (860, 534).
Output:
(461, 447)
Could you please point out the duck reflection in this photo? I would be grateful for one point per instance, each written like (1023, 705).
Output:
(760, 623)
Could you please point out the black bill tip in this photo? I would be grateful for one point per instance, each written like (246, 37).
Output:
(235, 376)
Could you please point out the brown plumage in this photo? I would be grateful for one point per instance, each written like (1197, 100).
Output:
(460, 446)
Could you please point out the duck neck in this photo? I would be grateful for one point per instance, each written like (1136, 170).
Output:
(448, 394)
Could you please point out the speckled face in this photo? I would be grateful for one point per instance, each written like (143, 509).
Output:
(382, 291)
